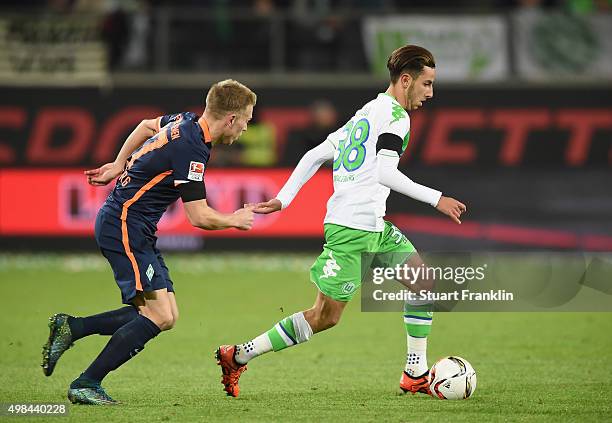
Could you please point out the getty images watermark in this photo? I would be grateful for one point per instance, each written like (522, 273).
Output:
(525, 281)
(425, 277)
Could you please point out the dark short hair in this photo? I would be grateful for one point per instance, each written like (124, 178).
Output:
(409, 59)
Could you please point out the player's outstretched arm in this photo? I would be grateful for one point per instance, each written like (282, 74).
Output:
(308, 166)
(202, 216)
(108, 172)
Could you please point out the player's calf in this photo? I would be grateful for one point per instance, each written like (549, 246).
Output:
(320, 320)
(325, 313)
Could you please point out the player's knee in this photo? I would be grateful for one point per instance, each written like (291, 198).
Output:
(164, 320)
(166, 324)
(171, 324)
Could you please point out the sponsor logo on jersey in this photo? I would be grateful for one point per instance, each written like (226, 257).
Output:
(196, 171)
(397, 113)
(344, 178)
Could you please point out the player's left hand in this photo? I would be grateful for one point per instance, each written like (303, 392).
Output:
(266, 207)
(451, 207)
(104, 174)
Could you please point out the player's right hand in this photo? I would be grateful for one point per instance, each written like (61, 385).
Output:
(244, 218)
(266, 207)
(451, 207)
(104, 174)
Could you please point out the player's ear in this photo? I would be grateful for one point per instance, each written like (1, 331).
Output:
(405, 79)
(231, 120)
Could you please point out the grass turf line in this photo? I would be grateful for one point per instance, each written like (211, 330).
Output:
(531, 367)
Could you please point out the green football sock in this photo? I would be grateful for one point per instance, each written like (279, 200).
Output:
(417, 320)
(290, 331)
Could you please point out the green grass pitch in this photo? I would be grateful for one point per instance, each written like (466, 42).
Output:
(531, 367)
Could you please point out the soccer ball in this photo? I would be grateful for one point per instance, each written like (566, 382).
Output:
(452, 378)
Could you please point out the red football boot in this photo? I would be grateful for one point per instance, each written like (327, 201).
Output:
(415, 384)
(230, 368)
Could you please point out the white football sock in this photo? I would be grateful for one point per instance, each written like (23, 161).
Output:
(288, 332)
(416, 359)
(251, 349)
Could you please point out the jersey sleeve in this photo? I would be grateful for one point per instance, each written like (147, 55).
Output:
(166, 119)
(188, 160)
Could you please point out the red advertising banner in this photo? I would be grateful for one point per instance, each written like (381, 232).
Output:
(474, 127)
(61, 203)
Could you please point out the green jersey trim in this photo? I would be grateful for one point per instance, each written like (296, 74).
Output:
(406, 140)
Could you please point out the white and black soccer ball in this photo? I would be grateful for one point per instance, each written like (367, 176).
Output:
(452, 378)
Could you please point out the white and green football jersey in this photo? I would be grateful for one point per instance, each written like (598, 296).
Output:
(359, 201)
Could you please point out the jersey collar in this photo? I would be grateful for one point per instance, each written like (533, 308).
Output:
(390, 96)
(205, 130)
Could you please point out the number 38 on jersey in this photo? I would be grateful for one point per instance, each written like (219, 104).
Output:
(351, 150)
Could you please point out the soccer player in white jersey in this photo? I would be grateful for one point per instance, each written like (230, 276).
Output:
(366, 152)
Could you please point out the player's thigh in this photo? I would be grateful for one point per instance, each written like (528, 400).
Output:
(109, 237)
(337, 273)
(132, 256)
(150, 268)
(165, 273)
(125, 270)
(165, 279)
(393, 248)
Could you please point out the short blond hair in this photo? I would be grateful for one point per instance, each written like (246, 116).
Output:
(229, 96)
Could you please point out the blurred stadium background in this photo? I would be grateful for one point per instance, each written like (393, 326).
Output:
(520, 127)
